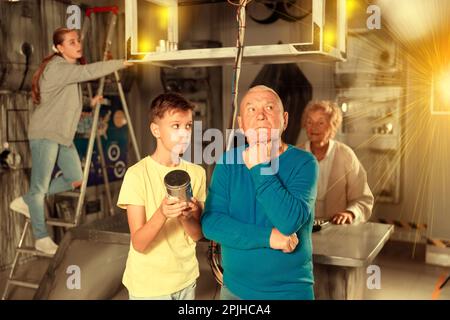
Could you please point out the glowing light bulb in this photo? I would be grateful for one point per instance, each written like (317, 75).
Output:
(351, 6)
(329, 38)
(145, 45)
(163, 17)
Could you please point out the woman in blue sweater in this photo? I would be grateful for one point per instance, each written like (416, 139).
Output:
(260, 207)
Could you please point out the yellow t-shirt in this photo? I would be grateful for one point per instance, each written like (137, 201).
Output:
(170, 263)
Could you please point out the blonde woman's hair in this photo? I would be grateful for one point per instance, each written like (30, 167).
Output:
(330, 109)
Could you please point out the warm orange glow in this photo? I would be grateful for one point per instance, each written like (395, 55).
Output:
(351, 6)
(146, 45)
(444, 88)
(163, 15)
(440, 99)
(329, 38)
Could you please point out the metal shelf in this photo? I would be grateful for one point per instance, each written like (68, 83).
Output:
(267, 54)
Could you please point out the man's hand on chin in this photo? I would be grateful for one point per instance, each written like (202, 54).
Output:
(256, 154)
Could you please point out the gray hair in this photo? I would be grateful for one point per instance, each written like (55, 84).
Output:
(330, 109)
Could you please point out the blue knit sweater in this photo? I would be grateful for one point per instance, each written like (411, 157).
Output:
(241, 209)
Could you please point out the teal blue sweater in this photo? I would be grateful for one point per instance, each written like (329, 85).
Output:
(241, 209)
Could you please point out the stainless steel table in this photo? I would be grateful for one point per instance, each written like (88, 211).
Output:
(341, 254)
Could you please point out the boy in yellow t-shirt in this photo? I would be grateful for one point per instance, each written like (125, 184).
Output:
(161, 262)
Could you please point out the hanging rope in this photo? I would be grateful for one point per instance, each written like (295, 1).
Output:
(240, 16)
(214, 253)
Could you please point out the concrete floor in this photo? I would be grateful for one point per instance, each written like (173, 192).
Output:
(403, 277)
(207, 287)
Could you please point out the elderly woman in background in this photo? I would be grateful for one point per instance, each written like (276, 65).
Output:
(343, 195)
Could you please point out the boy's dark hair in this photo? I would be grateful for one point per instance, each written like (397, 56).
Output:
(168, 101)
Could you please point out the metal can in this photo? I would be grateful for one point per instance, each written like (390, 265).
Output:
(178, 184)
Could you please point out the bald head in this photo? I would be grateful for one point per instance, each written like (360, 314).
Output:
(262, 88)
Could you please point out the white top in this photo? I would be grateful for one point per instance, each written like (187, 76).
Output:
(325, 167)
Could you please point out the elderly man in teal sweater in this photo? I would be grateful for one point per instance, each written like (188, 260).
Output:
(260, 207)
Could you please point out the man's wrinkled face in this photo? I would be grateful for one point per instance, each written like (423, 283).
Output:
(261, 117)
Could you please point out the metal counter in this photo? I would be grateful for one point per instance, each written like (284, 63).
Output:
(350, 245)
(341, 254)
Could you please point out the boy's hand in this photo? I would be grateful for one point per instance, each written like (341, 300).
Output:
(193, 210)
(172, 207)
